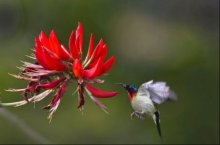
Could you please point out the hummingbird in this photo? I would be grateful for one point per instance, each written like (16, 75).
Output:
(145, 99)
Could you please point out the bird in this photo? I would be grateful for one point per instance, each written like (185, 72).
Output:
(145, 99)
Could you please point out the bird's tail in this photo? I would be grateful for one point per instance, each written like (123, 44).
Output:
(156, 118)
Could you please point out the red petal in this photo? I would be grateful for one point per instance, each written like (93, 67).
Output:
(94, 71)
(77, 69)
(77, 47)
(47, 58)
(107, 65)
(91, 45)
(37, 51)
(51, 85)
(63, 88)
(65, 52)
(52, 61)
(98, 48)
(96, 53)
(58, 95)
(54, 44)
(99, 93)
(39, 54)
(102, 54)
(44, 40)
(56, 47)
(72, 46)
(79, 33)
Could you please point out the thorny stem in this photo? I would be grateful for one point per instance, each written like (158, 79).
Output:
(23, 126)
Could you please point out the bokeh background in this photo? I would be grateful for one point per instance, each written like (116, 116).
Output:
(175, 41)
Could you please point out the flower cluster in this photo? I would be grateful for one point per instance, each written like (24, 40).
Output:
(55, 68)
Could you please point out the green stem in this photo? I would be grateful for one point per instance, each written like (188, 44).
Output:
(23, 126)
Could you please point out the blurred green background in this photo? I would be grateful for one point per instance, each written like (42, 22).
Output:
(174, 41)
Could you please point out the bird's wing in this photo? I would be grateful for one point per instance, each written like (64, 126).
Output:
(158, 91)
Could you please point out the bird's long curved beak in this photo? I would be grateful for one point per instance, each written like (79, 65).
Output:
(122, 84)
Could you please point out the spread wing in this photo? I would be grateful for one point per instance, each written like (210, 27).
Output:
(158, 91)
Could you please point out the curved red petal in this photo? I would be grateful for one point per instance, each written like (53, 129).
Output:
(91, 45)
(37, 51)
(79, 33)
(96, 53)
(72, 46)
(50, 85)
(58, 95)
(66, 55)
(39, 54)
(77, 47)
(94, 71)
(107, 65)
(102, 54)
(98, 48)
(56, 47)
(99, 93)
(44, 40)
(77, 69)
(52, 61)
(54, 44)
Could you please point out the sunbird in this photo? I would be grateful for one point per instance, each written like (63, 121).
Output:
(145, 99)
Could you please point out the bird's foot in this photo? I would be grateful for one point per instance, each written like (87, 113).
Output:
(133, 115)
(138, 115)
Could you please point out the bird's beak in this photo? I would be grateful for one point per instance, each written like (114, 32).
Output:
(122, 84)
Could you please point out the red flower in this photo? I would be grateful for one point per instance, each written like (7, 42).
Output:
(92, 67)
(55, 67)
(49, 53)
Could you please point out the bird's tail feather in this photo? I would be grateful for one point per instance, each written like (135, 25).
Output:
(156, 118)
